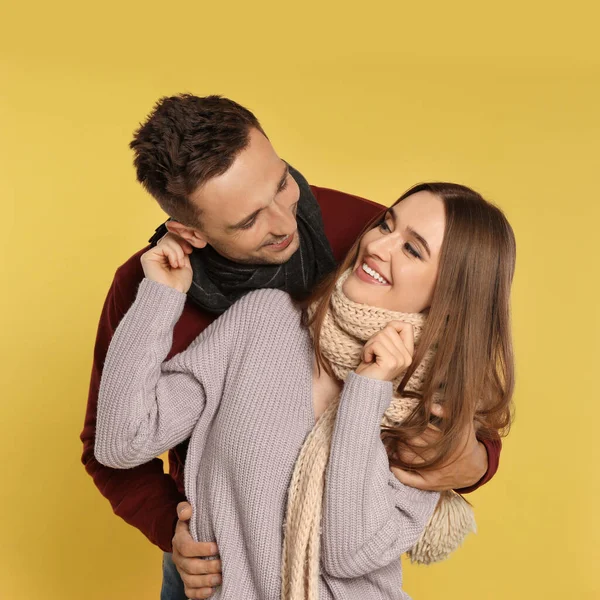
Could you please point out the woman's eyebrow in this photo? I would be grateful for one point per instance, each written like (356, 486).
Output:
(410, 230)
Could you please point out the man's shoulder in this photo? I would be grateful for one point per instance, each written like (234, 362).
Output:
(126, 281)
(130, 273)
(132, 267)
(330, 199)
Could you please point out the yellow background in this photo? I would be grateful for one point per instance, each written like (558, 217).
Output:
(504, 97)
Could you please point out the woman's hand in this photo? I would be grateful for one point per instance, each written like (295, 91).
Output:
(168, 263)
(389, 352)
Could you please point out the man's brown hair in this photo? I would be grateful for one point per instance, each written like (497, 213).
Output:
(186, 141)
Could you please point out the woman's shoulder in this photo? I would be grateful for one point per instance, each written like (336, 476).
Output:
(267, 310)
(267, 301)
(259, 311)
(264, 314)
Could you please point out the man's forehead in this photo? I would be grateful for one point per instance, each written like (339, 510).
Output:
(226, 205)
(241, 190)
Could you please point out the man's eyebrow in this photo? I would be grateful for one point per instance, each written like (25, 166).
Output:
(245, 220)
(410, 230)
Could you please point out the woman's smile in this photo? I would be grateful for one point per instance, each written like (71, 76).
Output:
(368, 272)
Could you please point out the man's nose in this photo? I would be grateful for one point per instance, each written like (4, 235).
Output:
(283, 219)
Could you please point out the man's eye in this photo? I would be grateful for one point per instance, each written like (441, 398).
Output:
(284, 184)
(248, 224)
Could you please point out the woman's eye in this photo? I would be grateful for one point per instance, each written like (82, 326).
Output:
(383, 226)
(411, 250)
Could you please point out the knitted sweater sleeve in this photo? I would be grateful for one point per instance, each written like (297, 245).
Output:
(369, 517)
(146, 406)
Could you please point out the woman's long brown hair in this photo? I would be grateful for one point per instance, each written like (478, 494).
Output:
(468, 324)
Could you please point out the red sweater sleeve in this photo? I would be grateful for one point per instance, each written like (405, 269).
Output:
(493, 448)
(344, 217)
(144, 496)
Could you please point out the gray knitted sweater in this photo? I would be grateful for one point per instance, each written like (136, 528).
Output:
(242, 393)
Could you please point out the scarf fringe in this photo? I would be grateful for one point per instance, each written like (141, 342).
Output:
(451, 522)
(302, 539)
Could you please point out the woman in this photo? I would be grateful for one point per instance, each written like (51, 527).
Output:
(416, 315)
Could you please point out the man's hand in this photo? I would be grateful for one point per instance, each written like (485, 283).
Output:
(199, 576)
(462, 469)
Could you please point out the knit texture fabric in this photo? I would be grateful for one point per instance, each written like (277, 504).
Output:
(346, 327)
(241, 393)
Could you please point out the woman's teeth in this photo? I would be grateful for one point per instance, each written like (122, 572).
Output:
(374, 274)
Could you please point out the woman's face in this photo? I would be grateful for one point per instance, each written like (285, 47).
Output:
(397, 262)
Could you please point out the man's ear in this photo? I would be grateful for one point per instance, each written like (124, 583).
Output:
(189, 234)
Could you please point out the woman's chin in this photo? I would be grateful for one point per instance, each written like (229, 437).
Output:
(352, 289)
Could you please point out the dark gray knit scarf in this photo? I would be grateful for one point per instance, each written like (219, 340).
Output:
(218, 282)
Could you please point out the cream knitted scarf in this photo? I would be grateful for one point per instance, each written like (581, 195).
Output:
(347, 325)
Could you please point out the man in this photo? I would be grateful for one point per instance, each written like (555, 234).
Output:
(253, 222)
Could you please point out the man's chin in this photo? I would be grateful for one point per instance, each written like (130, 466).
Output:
(264, 255)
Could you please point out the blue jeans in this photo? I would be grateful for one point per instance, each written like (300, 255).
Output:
(172, 586)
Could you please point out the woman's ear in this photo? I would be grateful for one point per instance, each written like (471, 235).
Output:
(189, 234)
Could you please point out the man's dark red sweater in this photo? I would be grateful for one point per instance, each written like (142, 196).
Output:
(145, 496)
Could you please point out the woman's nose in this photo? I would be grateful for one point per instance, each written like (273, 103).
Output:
(383, 246)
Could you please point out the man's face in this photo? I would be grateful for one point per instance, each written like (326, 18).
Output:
(248, 214)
